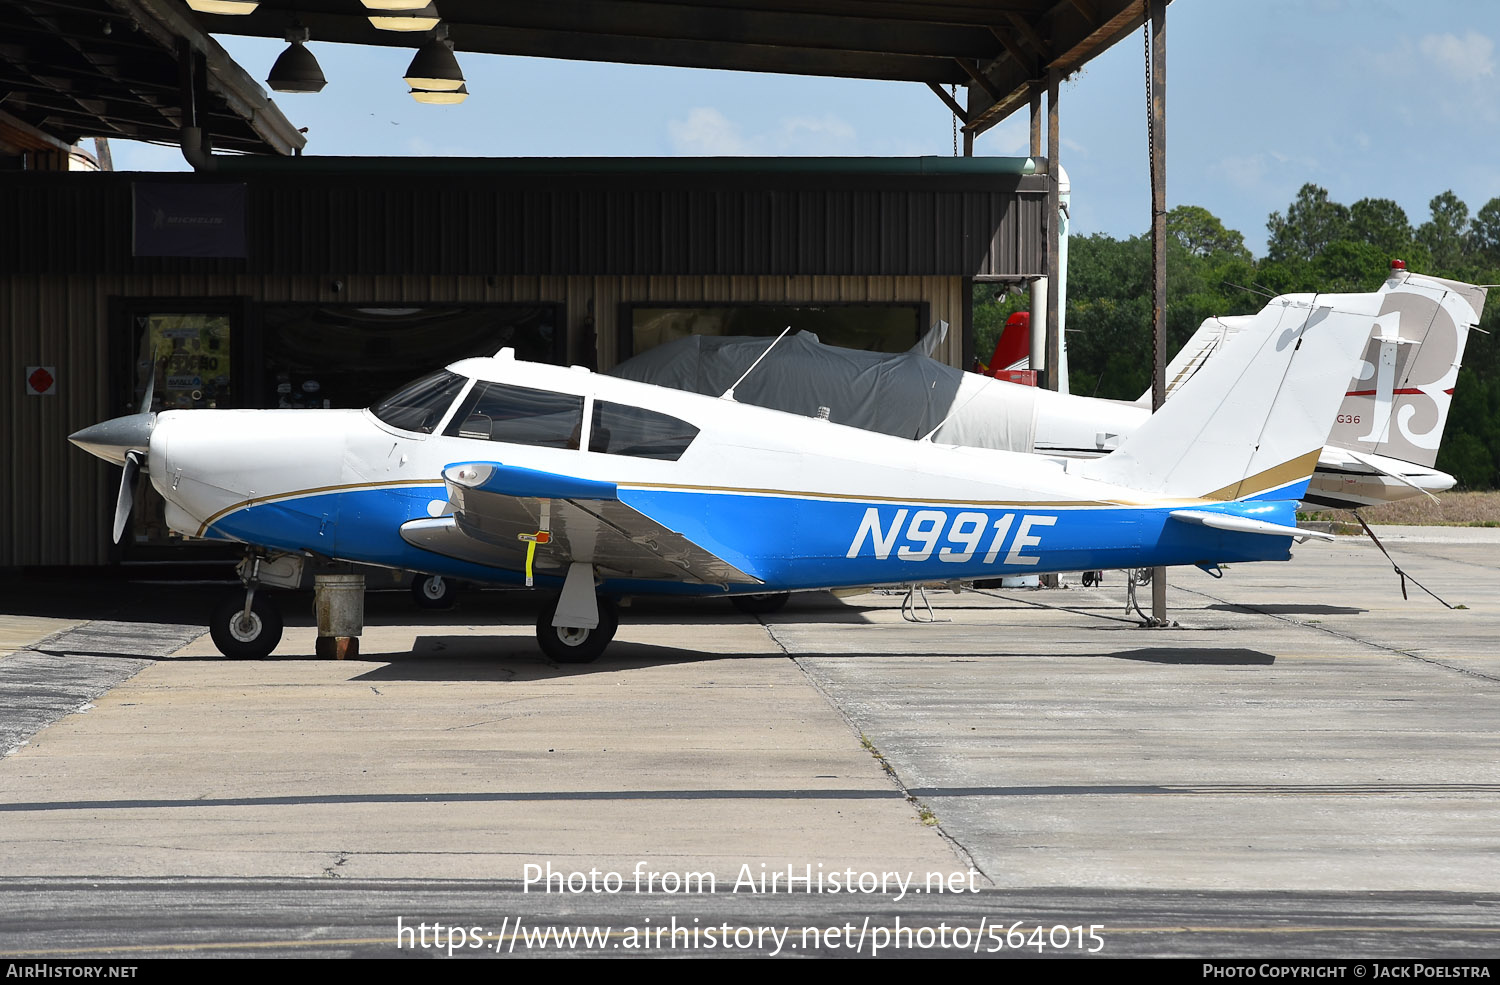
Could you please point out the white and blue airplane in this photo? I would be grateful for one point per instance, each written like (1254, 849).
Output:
(590, 487)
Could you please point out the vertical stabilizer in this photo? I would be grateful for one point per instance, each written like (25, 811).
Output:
(1251, 421)
(1211, 336)
(1398, 401)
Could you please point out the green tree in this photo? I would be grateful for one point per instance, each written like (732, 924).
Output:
(1445, 234)
(1202, 234)
(1484, 235)
(1381, 223)
(1310, 224)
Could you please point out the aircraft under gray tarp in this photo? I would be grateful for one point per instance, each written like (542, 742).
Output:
(1382, 447)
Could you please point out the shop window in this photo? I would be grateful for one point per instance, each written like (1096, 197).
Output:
(352, 355)
(190, 354)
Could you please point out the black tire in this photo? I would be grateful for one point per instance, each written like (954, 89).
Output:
(434, 591)
(760, 605)
(254, 641)
(576, 646)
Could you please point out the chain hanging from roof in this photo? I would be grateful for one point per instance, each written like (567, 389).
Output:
(954, 90)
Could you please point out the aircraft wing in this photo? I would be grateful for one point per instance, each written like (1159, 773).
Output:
(494, 504)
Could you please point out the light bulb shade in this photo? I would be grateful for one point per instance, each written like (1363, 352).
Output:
(404, 23)
(395, 4)
(420, 18)
(434, 67)
(232, 7)
(442, 97)
(296, 70)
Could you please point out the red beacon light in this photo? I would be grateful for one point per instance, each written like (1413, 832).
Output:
(1398, 264)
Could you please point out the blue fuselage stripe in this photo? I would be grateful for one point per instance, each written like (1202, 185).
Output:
(795, 543)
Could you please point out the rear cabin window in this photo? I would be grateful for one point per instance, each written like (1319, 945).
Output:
(419, 406)
(519, 415)
(622, 430)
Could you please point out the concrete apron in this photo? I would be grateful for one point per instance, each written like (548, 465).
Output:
(458, 752)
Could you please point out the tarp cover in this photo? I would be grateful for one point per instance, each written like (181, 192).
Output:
(904, 394)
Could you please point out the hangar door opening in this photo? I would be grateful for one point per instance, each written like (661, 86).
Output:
(873, 327)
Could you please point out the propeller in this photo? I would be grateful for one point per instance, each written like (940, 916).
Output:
(126, 499)
(124, 441)
(150, 388)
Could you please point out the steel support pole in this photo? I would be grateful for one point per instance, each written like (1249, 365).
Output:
(1054, 227)
(1036, 121)
(1159, 249)
(1038, 345)
(1054, 251)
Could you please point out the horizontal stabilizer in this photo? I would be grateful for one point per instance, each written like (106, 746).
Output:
(1246, 525)
(1376, 462)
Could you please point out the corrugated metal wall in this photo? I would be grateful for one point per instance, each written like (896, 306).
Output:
(557, 224)
(57, 502)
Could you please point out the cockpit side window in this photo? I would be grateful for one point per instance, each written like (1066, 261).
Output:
(420, 406)
(619, 429)
(500, 412)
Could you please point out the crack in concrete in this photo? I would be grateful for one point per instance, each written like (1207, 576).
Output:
(923, 811)
(331, 871)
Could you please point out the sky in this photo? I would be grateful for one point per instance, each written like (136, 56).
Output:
(1367, 98)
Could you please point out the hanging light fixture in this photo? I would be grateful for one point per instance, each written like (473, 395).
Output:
(423, 18)
(441, 97)
(296, 70)
(434, 66)
(232, 7)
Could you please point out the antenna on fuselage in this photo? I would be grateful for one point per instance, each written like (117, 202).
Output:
(729, 394)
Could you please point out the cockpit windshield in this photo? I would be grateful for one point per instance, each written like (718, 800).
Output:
(420, 406)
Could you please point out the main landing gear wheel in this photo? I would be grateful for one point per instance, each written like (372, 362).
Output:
(760, 605)
(434, 591)
(244, 638)
(573, 645)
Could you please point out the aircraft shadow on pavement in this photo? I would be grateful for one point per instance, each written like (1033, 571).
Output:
(1290, 608)
(516, 658)
(1228, 656)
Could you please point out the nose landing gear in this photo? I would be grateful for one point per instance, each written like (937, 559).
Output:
(246, 627)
